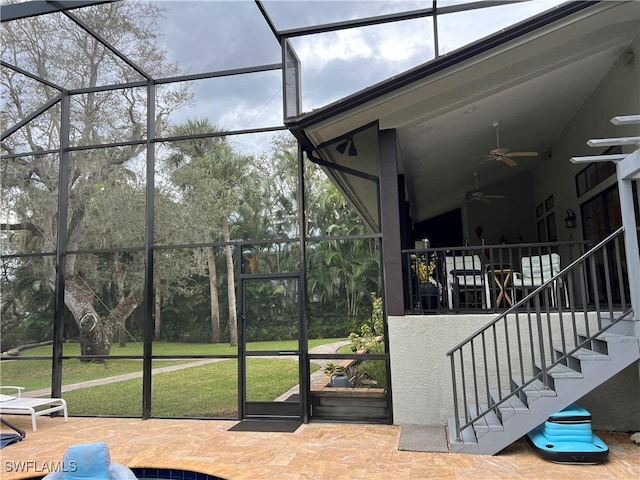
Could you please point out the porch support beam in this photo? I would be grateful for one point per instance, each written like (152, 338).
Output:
(626, 120)
(599, 158)
(629, 168)
(390, 222)
(627, 172)
(612, 142)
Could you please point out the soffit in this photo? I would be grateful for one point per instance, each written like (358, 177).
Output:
(531, 85)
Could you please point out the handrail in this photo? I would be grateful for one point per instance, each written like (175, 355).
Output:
(538, 290)
(521, 388)
(542, 360)
(482, 292)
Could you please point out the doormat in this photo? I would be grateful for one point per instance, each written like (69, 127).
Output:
(283, 426)
(423, 438)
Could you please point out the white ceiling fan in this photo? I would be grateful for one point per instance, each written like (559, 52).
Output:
(504, 154)
(478, 195)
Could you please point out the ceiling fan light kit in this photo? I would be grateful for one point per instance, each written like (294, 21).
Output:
(505, 155)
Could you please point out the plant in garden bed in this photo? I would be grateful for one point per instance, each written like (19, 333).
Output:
(331, 368)
(370, 373)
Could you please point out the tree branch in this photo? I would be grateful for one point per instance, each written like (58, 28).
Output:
(8, 227)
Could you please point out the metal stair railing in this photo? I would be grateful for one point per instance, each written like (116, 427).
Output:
(542, 341)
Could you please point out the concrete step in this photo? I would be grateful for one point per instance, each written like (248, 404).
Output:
(586, 354)
(601, 342)
(575, 360)
(533, 391)
(468, 442)
(512, 406)
(488, 423)
(559, 372)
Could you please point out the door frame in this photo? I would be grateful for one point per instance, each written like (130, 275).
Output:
(272, 410)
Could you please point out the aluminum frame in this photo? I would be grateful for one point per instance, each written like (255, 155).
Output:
(35, 8)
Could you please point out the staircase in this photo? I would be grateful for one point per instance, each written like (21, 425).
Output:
(538, 357)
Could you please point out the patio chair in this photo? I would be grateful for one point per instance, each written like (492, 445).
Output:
(19, 405)
(467, 285)
(537, 270)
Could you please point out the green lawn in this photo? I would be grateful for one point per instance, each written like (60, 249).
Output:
(204, 391)
(173, 348)
(36, 374)
(208, 390)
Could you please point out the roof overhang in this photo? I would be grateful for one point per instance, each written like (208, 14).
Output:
(531, 78)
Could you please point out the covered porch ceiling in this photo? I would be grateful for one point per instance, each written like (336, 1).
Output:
(531, 84)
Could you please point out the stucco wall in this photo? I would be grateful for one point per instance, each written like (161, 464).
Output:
(420, 369)
(615, 405)
(421, 374)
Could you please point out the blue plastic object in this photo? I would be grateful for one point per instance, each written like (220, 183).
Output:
(566, 437)
(90, 461)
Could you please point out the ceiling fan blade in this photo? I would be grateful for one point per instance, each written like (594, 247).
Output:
(484, 199)
(509, 161)
(494, 196)
(522, 154)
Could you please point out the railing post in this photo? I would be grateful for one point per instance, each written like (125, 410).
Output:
(465, 404)
(497, 355)
(543, 360)
(456, 414)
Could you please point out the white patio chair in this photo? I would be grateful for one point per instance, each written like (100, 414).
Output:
(466, 276)
(19, 405)
(537, 270)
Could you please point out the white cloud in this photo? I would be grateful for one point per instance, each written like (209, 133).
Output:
(221, 34)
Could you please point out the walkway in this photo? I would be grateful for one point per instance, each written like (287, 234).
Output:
(328, 348)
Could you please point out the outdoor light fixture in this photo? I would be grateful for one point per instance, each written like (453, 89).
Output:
(570, 219)
(348, 143)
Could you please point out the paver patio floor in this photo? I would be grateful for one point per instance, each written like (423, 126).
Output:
(318, 451)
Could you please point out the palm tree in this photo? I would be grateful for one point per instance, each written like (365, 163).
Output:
(210, 175)
(341, 273)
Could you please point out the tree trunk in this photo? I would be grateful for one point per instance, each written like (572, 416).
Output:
(213, 291)
(95, 333)
(122, 334)
(119, 277)
(157, 318)
(231, 285)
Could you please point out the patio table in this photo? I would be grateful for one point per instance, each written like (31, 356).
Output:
(502, 277)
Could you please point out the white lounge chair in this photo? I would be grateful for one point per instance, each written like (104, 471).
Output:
(19, 405)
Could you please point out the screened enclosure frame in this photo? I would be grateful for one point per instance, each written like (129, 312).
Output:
(290, 69)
